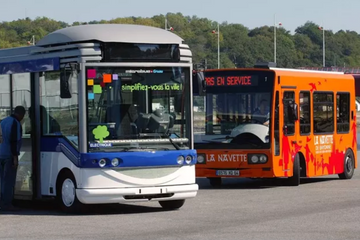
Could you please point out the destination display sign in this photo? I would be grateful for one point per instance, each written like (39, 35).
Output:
(232, 80)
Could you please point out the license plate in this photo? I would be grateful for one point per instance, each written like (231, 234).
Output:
(228, 173)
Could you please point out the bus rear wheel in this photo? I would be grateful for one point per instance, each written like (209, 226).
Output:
(349, 165)
(66, 193)
(172, 205)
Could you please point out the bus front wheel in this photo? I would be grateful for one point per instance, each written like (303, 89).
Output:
(295, 179)
(349, 165)
(66, 193)
(172, 205)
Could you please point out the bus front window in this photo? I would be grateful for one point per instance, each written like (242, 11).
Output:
(130, 109)
(235, 116)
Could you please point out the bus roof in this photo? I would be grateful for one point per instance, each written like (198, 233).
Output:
(126, 33)
(83, 43)
(275, 69)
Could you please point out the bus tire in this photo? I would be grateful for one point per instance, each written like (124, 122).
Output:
(349, 165)
(66, 193)
(215, 182)
(172, 205)
(295, 179)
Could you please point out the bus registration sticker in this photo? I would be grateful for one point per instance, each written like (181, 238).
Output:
(227, 173)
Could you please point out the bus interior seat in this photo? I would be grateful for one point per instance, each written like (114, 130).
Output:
(148, 121)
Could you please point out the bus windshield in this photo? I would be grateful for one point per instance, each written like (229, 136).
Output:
(235, 113)
(133, 109)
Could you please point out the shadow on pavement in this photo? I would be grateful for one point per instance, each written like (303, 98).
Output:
(48, 207)
(246, 183)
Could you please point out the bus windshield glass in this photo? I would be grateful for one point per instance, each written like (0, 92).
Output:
(138, 109)
(235, 113)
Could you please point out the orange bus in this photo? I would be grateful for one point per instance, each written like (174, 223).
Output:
(268, 122)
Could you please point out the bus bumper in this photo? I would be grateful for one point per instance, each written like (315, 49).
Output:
(122, 195)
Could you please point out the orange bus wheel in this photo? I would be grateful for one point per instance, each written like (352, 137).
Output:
(349, 165)
(295, 179)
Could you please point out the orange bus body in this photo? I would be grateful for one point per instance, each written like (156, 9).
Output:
(294, 154)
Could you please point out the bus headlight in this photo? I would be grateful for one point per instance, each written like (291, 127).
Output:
(102, 162)
(115, 162)
(188, 159)
(200, 159)
(263, 159)
(257, 158)
(254, 159)
(180, 160)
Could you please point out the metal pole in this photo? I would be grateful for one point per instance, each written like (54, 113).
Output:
(274, 38)
(165, 23)
(218, 32)
(323, 47)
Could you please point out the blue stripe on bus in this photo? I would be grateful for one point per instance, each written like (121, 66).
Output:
(138, 159)
(37, 65)
(127, 159)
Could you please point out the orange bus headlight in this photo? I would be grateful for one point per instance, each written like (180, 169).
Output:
(201, 159)
(257, 158)
(263, 158)
(254, 159)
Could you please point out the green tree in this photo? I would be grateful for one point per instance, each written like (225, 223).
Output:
(239, 46)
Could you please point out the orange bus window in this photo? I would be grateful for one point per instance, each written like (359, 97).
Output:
(323, 105)
(343, 112)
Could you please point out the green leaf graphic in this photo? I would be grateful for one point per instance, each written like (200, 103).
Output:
(100, 132)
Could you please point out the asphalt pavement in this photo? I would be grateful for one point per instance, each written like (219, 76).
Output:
(320, 208)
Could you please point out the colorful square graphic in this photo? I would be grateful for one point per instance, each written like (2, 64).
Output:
(107, 78)
(97, 89)
(91, 96)
(91, 73)
(115, 77)
(90, 82)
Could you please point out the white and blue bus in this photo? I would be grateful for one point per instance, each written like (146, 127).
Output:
(109, 116)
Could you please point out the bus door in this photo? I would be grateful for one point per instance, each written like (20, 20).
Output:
(21, 95)
(288, 136)
(25, 92)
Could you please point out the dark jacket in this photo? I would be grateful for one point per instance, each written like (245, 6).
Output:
(11, 137)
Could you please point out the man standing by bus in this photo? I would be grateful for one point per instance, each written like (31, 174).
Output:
(10, 144)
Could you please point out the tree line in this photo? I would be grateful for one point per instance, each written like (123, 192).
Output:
(239, 45)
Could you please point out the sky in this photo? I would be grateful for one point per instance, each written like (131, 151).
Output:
(332, 14)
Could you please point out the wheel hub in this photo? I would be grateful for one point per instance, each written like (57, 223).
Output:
(68, 192)
(349, 164)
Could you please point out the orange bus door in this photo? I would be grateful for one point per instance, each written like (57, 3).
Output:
(289, 132)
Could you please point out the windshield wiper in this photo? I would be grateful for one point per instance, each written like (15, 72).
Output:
(174, 144)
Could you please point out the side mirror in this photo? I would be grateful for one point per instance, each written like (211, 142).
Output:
(199, 84)
(65, 84)
(293, 111)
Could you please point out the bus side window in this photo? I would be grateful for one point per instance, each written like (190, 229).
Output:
(305, 111)
(323, 105)
(343, 112)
